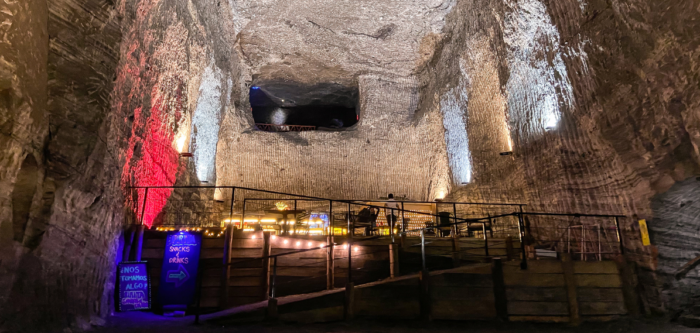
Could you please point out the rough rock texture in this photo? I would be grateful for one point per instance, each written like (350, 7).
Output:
(602, 104)
(288, 48)
(60, 216)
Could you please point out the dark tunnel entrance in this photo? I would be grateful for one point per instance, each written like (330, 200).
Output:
(280, 111)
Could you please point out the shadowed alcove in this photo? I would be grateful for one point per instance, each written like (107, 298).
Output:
(22, 195)
(285, 107)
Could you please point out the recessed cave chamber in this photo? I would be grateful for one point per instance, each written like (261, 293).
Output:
(284, 108)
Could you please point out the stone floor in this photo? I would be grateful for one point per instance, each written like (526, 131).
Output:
(149, 323)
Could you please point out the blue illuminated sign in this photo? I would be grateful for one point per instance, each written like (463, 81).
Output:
(134, 286)
(178, 279)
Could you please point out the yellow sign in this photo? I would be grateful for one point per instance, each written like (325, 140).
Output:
(645, 232)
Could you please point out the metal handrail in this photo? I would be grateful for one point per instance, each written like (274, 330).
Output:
(456, 222)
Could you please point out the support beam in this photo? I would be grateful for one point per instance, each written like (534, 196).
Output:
(456, 251)
(499, 289)
(571, 289)
(330, 263)
(510, 251)
(425, 306)
(139, 242)
(265, 276)
(629, 285)
(128, 241)
(349, 306)
(394, 260)
(272, 314)
(226, 268)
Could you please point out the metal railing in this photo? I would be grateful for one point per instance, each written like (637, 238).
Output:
(531, 228)
(284, 128)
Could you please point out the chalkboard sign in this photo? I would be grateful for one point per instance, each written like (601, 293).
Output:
(134, 286)
(178, 279)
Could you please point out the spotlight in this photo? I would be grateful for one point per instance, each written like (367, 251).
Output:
(286, 241)
(273, 237)
(253, 236)
(506, 153)
(355, 249)
(298, 243)
(310, 243)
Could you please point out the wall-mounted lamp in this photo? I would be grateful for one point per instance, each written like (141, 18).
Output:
(186, 154)
(506, 153)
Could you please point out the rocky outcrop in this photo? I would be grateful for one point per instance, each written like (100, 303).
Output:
(60, 215)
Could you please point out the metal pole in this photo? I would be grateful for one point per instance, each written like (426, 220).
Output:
(619, 236)
(600, 252)
(274, 277)
(583, 243)
(454, 213)
(521, 226)
(330, 255)
(422, 247)
(403, 218)
(143, 210)
(350, 232)
(198, 291)
(295, 216)
(243, 214)
(330, 219)
(486, 238)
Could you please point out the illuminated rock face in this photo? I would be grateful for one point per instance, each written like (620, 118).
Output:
(597, 101)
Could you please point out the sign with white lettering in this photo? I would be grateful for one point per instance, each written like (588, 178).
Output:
(134, 286)
(178, 279)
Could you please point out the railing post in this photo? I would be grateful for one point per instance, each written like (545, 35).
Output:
(272, 313)
(521, 227)
(571, 289)
(456, 251)
(349, 246)
(454, 213)
(486, 239)
(393, 260)
(330, 253)
(403, 218)
(273, 285)
(228, 242)
(143, 209)
(198, 292)
(140, 229)
(509, 248)
(266, 252)
(243, 214)
(422, 248)
(619, 236)
(128, 240)
(499, 289)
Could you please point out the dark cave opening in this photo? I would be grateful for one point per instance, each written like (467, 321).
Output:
(281, 113)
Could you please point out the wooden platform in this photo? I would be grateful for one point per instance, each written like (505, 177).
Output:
(467, 293)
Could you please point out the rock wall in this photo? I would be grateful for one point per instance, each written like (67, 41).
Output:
(296, 48)
(601, 104)
(60, 214)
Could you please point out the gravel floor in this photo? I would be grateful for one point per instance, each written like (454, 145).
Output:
(149, 323)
